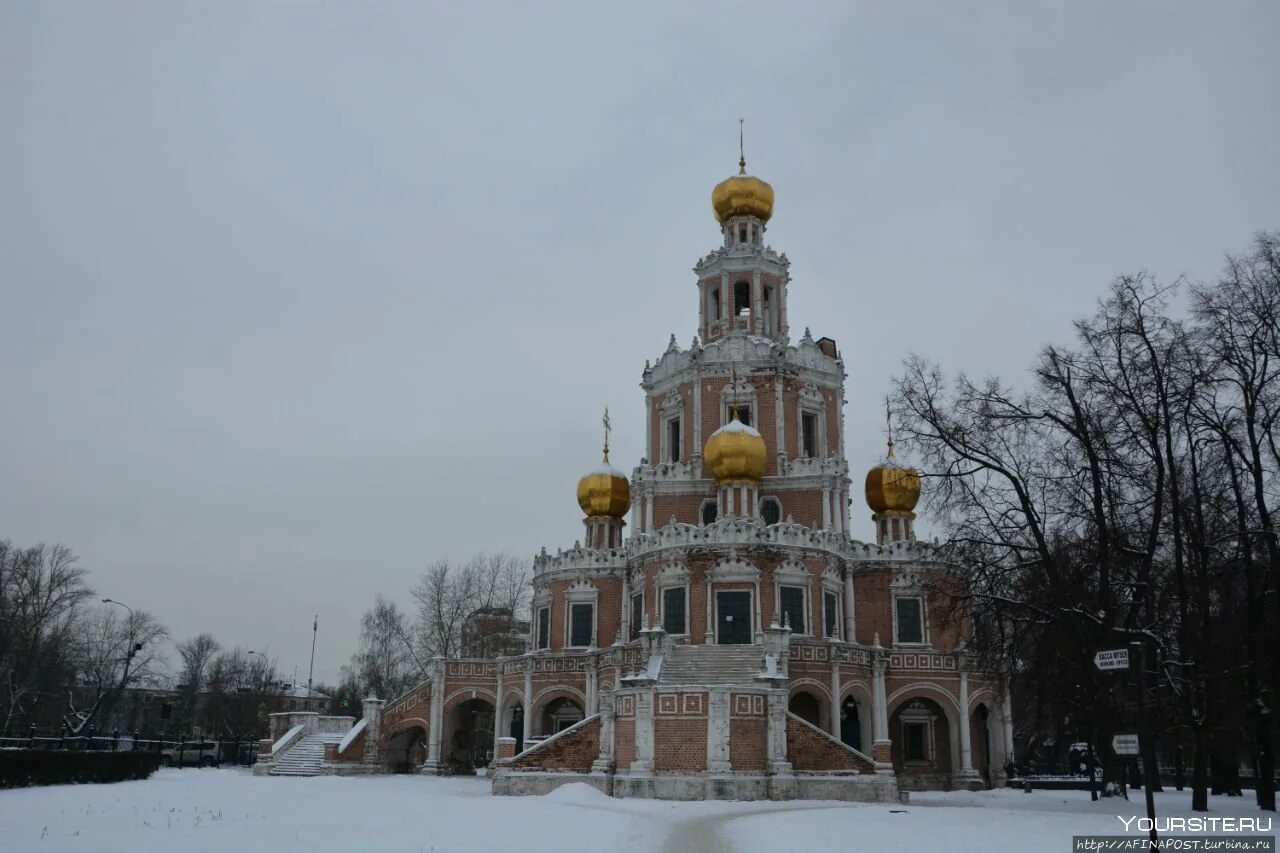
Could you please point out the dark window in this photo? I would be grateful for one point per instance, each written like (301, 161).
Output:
(742, 233)
(544, 628)
(744, 414)
(673, 440)
(580, 619)
(637, 614)
(831, 606)
(709, 512)
(673, 610)
(771, 510)
(715, 304)
(914, 740)
(910, 625)
(809, 434)
(793, 607)
(741, 297)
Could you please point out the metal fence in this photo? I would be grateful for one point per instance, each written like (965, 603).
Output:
(190, 752)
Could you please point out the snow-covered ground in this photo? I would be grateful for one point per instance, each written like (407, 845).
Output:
(219, 810)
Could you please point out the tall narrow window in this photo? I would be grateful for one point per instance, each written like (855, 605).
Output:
(793, 607)
(744, 414)
(715, 304)
(742, 233)
(709, 512)
(830, 614)
(809, 434)
(915, 742)
(741, 297)
(637, 614)
(580, 619)
(910, 620)
(673, 610)
(544, 627)
(673, 440)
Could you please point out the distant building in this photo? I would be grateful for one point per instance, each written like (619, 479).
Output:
(493, 632)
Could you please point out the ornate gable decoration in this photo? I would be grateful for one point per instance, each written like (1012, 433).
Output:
(734, 569)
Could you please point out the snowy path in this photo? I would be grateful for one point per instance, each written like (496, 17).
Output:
(218, 810)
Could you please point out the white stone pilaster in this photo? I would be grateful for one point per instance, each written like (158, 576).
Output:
(643, 763)
(849, 605)
(718, 732)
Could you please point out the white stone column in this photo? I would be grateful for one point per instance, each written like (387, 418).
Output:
(718, 732)
(625, 621)
(528, 703)
(966, 745)
(436, 723)
(776, 713)
(834, 728)
(1006, 721)
(757, 299)
(826, 507)
(709, 635)
(650, 451)
(497, 712)
(372, 708)
(695, 452)
(643, 763)
(593, 679)
(881, 745)
(849, 603)
(648, 507)
(836, 515)
(604, 760)
(780, 417)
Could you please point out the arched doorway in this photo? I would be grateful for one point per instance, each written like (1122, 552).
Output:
(515, 725)
(850, 724)
(980, 738)
(920, 732)
(467, 741)
(557, 715)
(806, 706)
(406, 750)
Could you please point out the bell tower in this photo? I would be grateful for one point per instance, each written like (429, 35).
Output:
(742, 286)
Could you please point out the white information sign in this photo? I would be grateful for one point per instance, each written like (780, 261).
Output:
(1125, 744)
(1112, 659)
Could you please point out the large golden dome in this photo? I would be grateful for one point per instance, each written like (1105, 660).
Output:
(735, 453)
(892, 488)
(742, 195)
(604, 492)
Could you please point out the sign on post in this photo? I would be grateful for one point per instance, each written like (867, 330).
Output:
(1125, 744)
(1111, 659)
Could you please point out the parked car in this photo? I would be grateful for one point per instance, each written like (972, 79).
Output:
(203, 753)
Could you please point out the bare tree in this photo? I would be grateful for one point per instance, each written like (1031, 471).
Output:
(385, 664)
(447, 594)
(113, 653)
(41, 590)
(196, 655)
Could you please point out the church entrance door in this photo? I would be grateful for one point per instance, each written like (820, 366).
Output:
(733, 618)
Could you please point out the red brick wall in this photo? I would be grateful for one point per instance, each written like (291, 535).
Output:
(747, 744)
(571, 750)
(624, 742)
(811, 749)
(680, 743)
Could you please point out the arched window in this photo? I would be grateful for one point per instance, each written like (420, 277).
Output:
(709, 512)
(741, 297)
(770, 510)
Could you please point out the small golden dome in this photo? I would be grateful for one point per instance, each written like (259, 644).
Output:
(604, 492)
(892, 488)
(742, 195)
(735, 453)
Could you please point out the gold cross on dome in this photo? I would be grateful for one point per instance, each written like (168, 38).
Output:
(607, 428)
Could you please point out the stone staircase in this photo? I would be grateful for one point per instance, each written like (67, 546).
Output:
(713, 664)
(304, 758)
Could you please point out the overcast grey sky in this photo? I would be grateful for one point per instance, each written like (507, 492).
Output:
(297, 297)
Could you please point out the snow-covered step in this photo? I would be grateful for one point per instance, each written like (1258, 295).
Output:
(712, 664)
(304, 758)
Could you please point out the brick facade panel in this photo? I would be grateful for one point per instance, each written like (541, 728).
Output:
(680, 744)
(809, 749)
(748, 747)
(572, 750)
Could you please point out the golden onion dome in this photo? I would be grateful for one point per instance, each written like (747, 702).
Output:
(604, 492)
(735, 453)
(891, 487)
(742, 195)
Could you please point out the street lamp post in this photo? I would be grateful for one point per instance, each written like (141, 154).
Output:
(134, 645)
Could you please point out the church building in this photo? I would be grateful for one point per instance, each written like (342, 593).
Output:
(719, 632)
